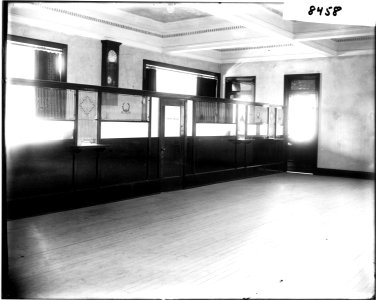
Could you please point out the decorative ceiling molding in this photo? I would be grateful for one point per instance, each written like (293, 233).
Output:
(99, 20)
(236, 27)
(253, 48)
(353, 39)
(127, 27)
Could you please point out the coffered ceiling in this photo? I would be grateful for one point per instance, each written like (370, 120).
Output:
(164, 13)
(220, 33)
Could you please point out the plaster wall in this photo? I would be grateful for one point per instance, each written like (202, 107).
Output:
(347, 109)
(85, 57)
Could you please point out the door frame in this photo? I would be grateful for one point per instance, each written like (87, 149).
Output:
(179, 179)
(287, 79)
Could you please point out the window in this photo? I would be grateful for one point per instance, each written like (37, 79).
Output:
(241, 88)
(35, 59)
(174, 79)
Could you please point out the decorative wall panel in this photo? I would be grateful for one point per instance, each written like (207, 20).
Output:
(87, 118)
(124, 107)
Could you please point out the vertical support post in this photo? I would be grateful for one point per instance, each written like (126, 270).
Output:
(236, 135)
(194, 137)
(99, 111)
(245, 135)
(185, 141)
(75, 139)
(148, 163)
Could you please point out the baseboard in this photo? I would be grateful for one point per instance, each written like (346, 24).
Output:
(345, 173)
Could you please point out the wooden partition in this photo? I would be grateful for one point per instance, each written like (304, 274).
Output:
(116, 143)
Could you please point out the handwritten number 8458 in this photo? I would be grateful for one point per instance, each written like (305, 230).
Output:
(319, 10)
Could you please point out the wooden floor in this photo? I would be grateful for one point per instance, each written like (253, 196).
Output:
(283, 236)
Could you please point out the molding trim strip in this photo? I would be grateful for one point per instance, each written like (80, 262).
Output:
(203, 31)
(345, 173)
(252, 48)
(353, 39)
(137, 29)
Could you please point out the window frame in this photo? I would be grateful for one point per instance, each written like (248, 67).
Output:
(179, 68)
(43, 43)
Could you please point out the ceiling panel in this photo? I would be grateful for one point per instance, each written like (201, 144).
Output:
(166, 13)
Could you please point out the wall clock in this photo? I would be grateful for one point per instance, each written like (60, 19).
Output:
(110, 63)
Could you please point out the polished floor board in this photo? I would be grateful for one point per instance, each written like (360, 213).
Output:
(284, 235)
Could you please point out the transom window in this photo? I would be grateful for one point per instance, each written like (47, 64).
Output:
(36, 59)
(166, 78)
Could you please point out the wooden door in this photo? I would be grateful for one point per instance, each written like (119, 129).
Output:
(302, 102)
(172, 144)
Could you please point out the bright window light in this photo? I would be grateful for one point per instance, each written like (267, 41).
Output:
(302, 117)
(189, 117)
(116, 130)
(264, 129)
(176, 82)
(20, 61)
(22, 124)
(60, 64)
(251, 130)
(213, 129)
(154, 117)
(172, 121)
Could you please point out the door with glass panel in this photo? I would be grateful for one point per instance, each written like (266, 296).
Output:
(301, 101)
(171, 143)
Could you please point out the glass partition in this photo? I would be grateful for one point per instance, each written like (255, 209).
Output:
(215, 129)
(112, 130)
(50, 114)
(215, 119)
(124, 107)
(241, 121)
(36, 115)
(279, 122)
(257, 121)
(271, 123)
(127, 116)
(214, 112)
